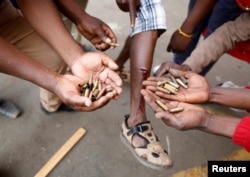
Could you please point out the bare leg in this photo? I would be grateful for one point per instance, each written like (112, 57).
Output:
(124, 54)
(137, 132)
(141, 58)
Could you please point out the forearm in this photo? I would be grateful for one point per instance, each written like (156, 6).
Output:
(200, 10)
(218, 43)
(72, 10)
(221, 125)
(15, 63)
(46, 20)
(223, 96)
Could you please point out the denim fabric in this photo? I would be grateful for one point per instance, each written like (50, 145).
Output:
(224, 10)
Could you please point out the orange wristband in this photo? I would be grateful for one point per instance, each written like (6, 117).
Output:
(184, 34)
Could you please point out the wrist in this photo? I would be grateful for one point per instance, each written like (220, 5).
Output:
(205, 121)
(54, 82)
(214, 93)
(81, 22)
(184, 34)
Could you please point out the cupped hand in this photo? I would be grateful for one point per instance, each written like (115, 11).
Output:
(198, 90)
(98, 65)
(68, 91)
(192, 116)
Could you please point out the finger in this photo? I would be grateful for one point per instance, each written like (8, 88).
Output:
(168, 118)
(151, 88)
(110, 39)
(114, 78)
(102, 101)
(76, 101)
(166, 96)
(108, 62)
(162, 70)
(113, 84)
(177, 73)
(132, 12)
(106, 35)
(150, 100)
(149, 83)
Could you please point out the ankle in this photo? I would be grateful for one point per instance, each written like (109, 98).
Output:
(134, 120)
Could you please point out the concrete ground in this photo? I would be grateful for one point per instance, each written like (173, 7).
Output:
(29, 141)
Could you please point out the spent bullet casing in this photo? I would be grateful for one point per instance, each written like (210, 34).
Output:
(161, 105)
(177, 109)
(181, 83)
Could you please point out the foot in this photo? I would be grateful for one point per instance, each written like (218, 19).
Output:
(9, 109)
(63, 107)
(145, 146)
(124, 74)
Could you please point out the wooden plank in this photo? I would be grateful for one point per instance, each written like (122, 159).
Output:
(56, 158)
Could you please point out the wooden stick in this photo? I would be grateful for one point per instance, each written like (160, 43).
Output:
(54, 160)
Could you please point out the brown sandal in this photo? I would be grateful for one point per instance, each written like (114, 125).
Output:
(124, 74)
(152, 154)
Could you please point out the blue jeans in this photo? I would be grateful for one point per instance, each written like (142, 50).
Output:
(224, 10)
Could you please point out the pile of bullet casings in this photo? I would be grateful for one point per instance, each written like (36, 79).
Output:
(171, 87)
(93, 89)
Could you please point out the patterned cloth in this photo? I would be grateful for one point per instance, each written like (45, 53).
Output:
(150, 16)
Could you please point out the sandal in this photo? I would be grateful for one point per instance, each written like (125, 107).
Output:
(152, 154)
(124, 74)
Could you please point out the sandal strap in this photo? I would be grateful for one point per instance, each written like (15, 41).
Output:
(137, 129)
(151, 153)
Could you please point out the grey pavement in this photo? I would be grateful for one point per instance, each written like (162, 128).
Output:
(28, 142)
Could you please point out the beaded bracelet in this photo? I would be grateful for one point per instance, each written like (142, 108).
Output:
(184, 34)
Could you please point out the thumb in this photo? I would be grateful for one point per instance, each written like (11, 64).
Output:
(109, 62)
(79, 101)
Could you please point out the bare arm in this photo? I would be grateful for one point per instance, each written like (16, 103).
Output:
(192, 117)
(222, 40)
(200, 10)
(182, 37)
(15, 63)
(233, 97)
(93, 29)
(216, 122)
(46, 20)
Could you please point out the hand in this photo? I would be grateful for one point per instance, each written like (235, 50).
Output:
(192, 117)
(166, 66)
(98, 65)
(198, 90)
(131, 6)
(97, 32)
(178, 43)
(68, 91)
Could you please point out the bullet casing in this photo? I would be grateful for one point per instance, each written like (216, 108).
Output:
(177, 109)
(161, 105)
(163, 90)
(181, 83)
